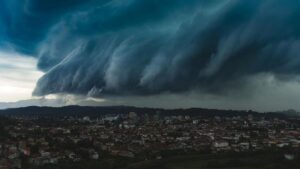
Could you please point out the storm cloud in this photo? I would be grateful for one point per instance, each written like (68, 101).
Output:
(146, 47)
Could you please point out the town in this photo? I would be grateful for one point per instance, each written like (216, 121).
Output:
(39, 141)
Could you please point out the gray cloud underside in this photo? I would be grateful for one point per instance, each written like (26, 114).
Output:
(145, 47)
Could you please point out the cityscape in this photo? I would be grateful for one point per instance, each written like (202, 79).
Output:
(32, 141)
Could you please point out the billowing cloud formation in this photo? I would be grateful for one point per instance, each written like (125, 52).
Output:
(141, 47)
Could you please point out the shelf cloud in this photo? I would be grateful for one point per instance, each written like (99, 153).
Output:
(148, 47)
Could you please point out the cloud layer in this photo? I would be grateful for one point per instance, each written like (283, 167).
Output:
(134, 47)
(18, 76)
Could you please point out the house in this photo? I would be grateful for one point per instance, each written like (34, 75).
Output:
(93, 155)
(244, 146)
(127, 154)
(221, 145)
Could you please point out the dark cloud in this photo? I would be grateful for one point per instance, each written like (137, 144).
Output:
(25, 23)
(144, 47)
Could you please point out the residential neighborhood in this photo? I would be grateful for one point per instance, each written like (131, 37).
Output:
(40, 141)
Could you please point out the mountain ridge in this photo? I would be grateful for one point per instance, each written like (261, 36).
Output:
(96, 111)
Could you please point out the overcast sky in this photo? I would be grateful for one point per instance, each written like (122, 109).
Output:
(156, 53)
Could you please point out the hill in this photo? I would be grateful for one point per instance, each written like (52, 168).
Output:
(106, 110)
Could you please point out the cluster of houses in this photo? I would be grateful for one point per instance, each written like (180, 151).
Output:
(35, 141)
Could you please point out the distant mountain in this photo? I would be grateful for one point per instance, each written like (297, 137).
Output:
(30, 102)
(81, 111)
(290, 112)
(42, 102)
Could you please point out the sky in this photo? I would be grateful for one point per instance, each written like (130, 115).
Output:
(228, 54)
(18, 76)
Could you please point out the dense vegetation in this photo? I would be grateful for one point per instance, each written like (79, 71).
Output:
(254, 160)
(3, 122)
